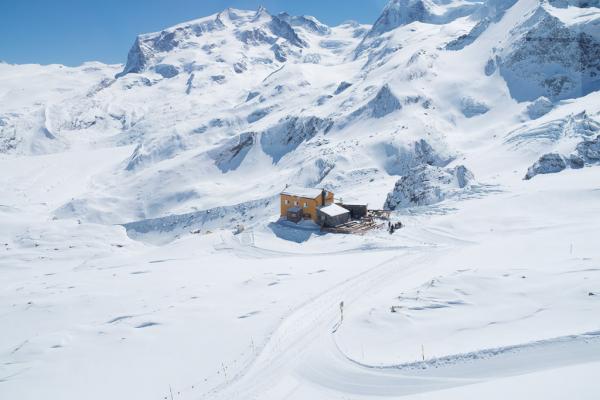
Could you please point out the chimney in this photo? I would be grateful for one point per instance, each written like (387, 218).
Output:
(323, 195)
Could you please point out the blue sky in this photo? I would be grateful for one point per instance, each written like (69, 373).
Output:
(73, 31)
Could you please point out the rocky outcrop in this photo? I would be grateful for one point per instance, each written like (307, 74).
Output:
(384, 103)
(281, 28)
(589, 150)
(290, 132)
(342, 87)
(547, 57)
(586, 153)
(472, 108)
(400, 159)
(540, 107)
(231, 155)
(547, 164)
(575, 3)
(427, 184)
(166, 70)
(255, 37)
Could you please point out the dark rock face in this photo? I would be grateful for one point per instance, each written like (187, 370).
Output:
(252, 95)
(586, 153)
(281, 28)
(166, 70)
(342, 87)
(472, 108)
(384, 103)
(550, 59)
(540, 107)
(136, 60)
(425, 154)
(231, 155)
(240, 67)
(547, 164)
(491, 66)
(290, 133)
(279, 53)
(575, 3)
(257, 115)
(576, 162)
(255, 37)
(589, 150)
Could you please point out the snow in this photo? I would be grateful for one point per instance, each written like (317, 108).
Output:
(140, 238)
(333, 210)
(307, 193)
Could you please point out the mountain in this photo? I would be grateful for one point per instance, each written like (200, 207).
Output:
(246, 93)
(139, 209)
(552, 57)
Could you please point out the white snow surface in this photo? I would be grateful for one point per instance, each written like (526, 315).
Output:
(309, 193)
(141, 256)
(333, 210)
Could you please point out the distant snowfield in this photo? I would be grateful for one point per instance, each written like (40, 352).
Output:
(123, 274)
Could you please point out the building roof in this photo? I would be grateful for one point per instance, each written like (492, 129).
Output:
(306, 193)
(333, 210)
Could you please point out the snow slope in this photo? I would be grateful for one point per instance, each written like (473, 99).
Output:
(139, 225)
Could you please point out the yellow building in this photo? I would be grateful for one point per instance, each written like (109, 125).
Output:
(302, 203)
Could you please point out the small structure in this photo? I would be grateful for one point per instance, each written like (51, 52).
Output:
(357, 211)
(304, 202)
(298, 203)
(333, 215)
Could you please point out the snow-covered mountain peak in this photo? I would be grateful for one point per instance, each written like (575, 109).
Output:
(403, 12)
(399, 13)
(307, 22)
(231, 30)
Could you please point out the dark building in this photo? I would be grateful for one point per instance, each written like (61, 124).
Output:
(333, 215)
(357, 211)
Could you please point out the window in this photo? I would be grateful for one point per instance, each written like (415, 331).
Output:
(287, 202)
(305, 205)
(295, 203)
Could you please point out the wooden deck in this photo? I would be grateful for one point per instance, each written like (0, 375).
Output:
(374, 220)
